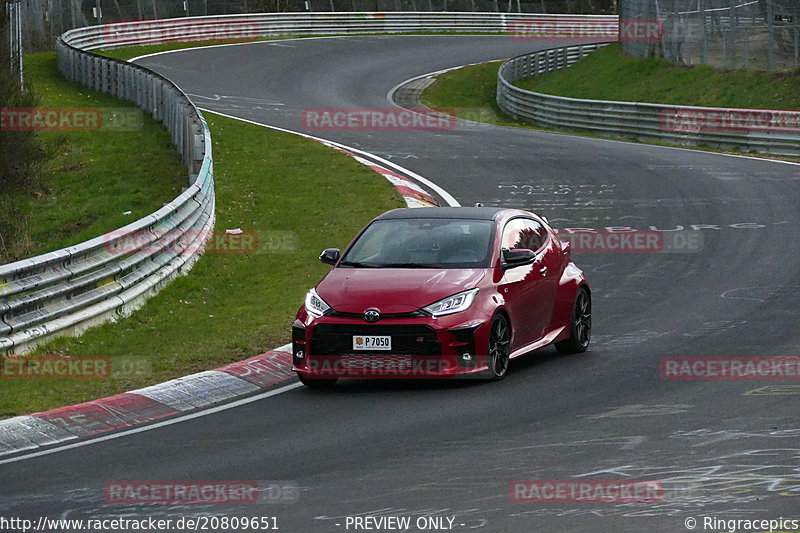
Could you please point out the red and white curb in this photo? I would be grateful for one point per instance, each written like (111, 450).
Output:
(413, 194)
(177, 396)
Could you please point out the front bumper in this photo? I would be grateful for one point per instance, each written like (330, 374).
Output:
(422, 348)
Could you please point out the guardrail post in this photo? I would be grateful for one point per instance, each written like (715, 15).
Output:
(131, 90)
(198, 148)
(138, 96)
(105, 68)
(188, 146)
(96, 73)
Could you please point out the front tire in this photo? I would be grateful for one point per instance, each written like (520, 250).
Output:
(499, 348)
(580, 331)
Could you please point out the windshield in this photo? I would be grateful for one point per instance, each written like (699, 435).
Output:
(422, 243)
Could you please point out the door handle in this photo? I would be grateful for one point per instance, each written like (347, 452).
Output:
(543, 271)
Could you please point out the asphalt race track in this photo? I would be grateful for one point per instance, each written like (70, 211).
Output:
(724, 449)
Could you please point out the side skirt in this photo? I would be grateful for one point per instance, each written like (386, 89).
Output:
(541, 343)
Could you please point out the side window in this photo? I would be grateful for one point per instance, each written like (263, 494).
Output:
(524, 233)
(512, 232)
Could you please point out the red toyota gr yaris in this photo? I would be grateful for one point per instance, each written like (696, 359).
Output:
(441, 292)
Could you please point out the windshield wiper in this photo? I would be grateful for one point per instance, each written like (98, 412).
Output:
(356, 264)
(408, 265)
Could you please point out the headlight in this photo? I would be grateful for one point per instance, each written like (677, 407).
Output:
(314, 304)
(452, 304)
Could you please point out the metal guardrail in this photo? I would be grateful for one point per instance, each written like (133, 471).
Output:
(766, 131)
(68, 290)
(267, 24)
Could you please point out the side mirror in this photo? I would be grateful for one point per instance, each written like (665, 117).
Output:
(330, 256)
(516, 257)
(566, 247)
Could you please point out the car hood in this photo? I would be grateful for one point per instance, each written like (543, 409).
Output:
(393, 290)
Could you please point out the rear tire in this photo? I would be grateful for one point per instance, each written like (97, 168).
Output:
(317, 383)
(580, 331)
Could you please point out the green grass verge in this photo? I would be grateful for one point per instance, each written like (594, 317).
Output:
(608, 74)
(129, 52)
(93, 177)
(470, 92)
(298, 196)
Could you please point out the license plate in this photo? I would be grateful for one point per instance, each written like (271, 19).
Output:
(372, 342)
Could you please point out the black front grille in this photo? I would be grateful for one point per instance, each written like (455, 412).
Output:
(337, 339)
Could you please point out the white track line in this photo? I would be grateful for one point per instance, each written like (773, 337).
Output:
(157, 425)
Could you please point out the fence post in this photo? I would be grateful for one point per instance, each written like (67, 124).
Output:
(14, 16)
(704, 43)
(734, 32)
(770, 38)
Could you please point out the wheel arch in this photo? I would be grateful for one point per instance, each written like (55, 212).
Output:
(482, 337)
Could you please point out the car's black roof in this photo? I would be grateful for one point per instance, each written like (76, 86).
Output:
(474, 213)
